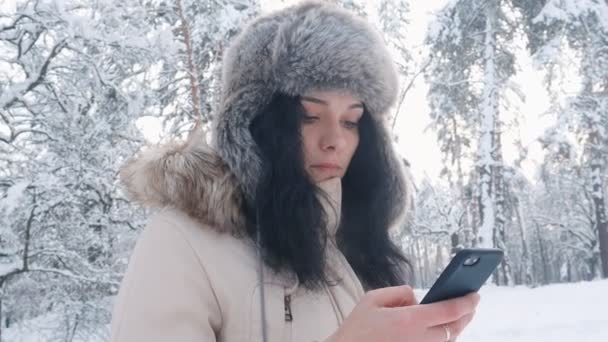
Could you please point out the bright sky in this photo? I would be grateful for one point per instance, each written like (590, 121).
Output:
(7, 6)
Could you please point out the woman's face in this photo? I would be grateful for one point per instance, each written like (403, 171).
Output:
(330, 132)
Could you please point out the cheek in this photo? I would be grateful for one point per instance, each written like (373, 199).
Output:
(307, 142)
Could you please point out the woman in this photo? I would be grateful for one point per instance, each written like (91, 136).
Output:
(280, 231)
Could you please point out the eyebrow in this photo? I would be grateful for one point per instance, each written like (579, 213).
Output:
(315, 100)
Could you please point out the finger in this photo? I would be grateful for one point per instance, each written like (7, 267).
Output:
(454, 329)
(393, 296)
(448, 310)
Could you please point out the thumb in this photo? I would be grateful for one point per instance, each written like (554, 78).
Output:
(393, 296)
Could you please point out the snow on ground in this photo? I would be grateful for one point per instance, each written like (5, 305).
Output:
(576, 312)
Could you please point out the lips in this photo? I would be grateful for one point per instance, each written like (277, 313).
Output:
(324, 171)
(326, 166)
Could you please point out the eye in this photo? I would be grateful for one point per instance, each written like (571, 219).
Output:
(351, 124)
(309, 118)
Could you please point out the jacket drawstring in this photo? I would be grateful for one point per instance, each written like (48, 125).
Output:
(289, 291)
(261, 282)
(334, 305)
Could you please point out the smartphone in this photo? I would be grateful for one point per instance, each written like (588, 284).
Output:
(466, 273)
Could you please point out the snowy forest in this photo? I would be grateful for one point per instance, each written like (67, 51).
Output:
(80, 80)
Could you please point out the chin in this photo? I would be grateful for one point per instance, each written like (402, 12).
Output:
(323, 179)
(322, 176)
(319, 175)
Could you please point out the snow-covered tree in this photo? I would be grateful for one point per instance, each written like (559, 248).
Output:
(578, 30)
(434, 228)
(77, 77)
(69, 103)
(473, 45)
(190, 74)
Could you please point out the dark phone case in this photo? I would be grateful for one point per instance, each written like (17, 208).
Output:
(458, 279)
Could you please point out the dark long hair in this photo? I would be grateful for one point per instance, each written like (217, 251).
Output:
(291, 218)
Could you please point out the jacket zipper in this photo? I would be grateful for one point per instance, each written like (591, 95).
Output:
(288, 314)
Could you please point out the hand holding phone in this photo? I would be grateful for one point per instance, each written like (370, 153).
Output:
(466, 273)
(373, 317)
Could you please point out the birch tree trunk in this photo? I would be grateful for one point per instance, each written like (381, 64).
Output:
(489, 110)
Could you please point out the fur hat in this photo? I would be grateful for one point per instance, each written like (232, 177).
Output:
(308, 46)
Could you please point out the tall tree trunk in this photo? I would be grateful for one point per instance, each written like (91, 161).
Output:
(439, 262)
(526, 274)
(491, 178)
(601, 221)
(192, 69)
(475, 205)
(596, 143)
(506, 274)
(419, 261)
(467, 223)
(411, 253)
(489, 111)
(427, 262)
(543, 255)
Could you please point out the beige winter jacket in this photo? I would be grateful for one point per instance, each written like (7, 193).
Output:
(193, 276)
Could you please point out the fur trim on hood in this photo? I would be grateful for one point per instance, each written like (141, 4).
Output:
(187, 176)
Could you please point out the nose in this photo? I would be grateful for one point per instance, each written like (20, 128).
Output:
(332, 138)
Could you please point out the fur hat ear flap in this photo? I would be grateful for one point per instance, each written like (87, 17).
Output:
(234, 141)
